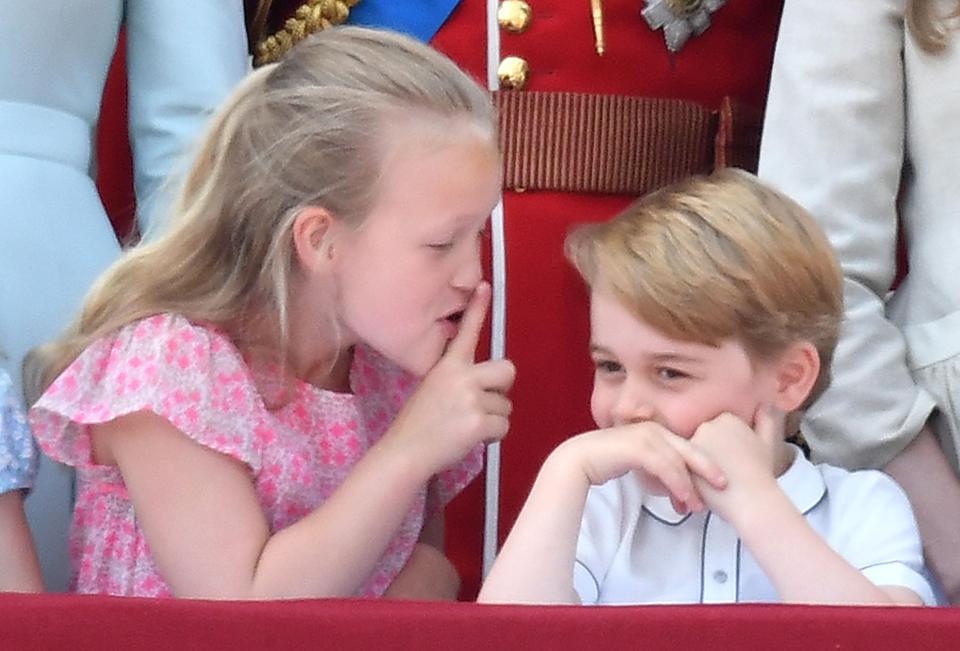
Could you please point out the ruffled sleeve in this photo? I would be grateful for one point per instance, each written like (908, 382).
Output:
(188, 374)
(18, 456)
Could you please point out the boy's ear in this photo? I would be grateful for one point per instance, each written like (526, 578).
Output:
(312, 237)
(796, 373)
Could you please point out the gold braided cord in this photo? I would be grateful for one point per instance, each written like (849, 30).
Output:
(310, 17)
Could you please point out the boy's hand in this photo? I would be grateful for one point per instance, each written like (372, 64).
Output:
(664, 462)
(747, 456)
(459, 403)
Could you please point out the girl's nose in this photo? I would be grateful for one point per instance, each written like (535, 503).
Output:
(469, 270)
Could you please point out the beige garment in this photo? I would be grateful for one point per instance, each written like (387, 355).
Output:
(863, 129)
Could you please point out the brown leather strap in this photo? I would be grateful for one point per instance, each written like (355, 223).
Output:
(577, 142)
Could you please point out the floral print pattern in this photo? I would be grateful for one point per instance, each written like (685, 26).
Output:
(18, 456)
(299, 441)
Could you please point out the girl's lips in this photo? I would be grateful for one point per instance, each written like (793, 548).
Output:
(451, 324)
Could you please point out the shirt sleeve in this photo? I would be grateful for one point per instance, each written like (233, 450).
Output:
(834, 141)
(183, 58)
(876, 530)
(188, 374)
(18, 456)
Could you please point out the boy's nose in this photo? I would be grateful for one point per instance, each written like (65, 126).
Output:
(632, 407)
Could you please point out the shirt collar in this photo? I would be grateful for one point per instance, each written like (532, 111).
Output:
(802, 483)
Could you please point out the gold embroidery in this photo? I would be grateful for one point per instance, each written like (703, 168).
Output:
(310, 17)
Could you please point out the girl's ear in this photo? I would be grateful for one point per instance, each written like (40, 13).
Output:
(796, 372)
(312, 237)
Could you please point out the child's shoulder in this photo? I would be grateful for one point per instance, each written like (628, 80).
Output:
(150, 358)
(837, 478)
(188, 373)
(168, 326)
(171, 340)
(861, 491)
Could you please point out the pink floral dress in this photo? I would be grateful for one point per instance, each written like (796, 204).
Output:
(192, 375)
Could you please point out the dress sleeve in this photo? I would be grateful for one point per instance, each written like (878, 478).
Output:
(834, 141)
(183, 58)
(188, 374)
(18, 456)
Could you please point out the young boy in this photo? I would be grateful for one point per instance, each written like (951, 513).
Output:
(714, 310)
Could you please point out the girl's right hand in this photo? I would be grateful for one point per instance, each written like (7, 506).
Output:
(664, 462)
(459, 403)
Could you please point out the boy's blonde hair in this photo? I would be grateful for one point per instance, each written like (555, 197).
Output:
(306, 131)
(720, 257)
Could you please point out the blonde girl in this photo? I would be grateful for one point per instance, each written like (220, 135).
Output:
(242, 397)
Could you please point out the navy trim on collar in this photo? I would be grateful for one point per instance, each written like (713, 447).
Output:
(802, 483)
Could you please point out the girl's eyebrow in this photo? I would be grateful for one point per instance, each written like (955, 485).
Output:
(597, 348)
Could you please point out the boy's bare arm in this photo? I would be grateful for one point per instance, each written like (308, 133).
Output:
(537, 559)
(800, 564)
(535, 564)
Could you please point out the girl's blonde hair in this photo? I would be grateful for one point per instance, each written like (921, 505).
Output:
(306, 131)
(929, 28)
(719, 257)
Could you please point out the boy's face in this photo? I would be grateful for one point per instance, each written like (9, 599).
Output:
(641, 374)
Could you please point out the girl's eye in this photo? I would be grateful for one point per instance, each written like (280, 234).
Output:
(440, 246)
(607, 366)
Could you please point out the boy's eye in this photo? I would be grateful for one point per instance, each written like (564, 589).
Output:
(440, 246)
(668, 374)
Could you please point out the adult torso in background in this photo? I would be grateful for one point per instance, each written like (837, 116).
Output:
(56, 237)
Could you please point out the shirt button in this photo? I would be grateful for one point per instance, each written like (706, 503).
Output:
(720, 576)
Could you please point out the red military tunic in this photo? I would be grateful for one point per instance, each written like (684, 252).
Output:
(546, 304)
